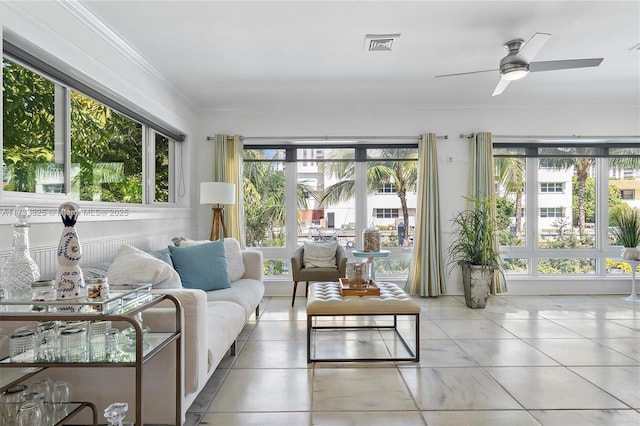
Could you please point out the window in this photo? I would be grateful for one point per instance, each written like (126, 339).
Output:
(627, 194)
(387, 213)
(571, 233)
(387, 188)
(551, 212)
(328, 193)
(58, 140)
(551, 187)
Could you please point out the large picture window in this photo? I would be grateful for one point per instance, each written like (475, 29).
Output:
(57, 140)
(579, 187)
(317, 193)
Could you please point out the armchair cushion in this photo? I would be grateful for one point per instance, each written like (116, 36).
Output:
(302, 272)
(320, 255)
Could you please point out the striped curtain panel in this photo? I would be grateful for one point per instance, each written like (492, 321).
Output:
(482, 186)
(227, 167)
(426, 276)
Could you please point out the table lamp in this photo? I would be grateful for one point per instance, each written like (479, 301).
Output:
(218, 194)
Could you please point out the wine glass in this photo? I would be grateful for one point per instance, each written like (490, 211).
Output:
(60, 396)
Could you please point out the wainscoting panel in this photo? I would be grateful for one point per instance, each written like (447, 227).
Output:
(95, 251)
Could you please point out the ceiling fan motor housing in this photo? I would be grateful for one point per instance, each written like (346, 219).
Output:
(513, 67)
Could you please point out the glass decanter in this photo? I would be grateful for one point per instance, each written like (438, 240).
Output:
(20, 270)
(115, 413)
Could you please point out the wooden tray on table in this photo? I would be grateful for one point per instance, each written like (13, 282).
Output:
(346, 290)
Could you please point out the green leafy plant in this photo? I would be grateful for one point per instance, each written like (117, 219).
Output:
(626, 227)
(473, 236)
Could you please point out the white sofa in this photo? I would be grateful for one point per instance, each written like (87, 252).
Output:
(211, 322)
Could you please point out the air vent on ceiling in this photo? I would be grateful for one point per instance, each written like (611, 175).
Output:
(379, 42)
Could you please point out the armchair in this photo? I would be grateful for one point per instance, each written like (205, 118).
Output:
(302, 273)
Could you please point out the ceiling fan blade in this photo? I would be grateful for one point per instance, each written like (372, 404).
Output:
(502, 84)
(565, 64)
(466, 73)
(531, 48)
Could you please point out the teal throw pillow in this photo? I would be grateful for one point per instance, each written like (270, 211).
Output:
(202, 267)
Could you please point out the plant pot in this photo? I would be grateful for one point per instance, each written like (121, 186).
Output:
(477, 283)
(630, 253)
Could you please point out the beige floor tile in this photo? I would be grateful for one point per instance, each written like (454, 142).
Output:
(538, 329)
(272, 354)
(473, 329)
(552, 388)
(599, 329)
(580, 352)
(378, 418)
(444, 353)
(360, 389)
(480, 418)
(627, 347)
(246, 390)
(456, 389)
(621, 382)
(587, 417)
(504, 352)
(256, 419)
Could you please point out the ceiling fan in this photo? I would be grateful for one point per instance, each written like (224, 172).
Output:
(517, 64)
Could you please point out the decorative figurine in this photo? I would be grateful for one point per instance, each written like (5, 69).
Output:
(69, 280)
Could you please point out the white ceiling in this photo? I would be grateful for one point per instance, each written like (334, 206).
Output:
(309, 55)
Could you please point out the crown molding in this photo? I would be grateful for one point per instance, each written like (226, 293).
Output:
(96, 25)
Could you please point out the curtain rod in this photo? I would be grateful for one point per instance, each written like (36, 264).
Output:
(464, 136)
(327, 138)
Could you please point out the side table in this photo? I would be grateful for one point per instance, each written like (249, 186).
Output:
(374, 255)
(633, 264)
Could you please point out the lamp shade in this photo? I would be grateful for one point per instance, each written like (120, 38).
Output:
(217, 193)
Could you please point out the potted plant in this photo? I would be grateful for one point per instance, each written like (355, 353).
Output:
(626, 230)
(473, 248)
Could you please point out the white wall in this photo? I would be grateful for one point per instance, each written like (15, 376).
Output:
(67, 34)
(579, 120)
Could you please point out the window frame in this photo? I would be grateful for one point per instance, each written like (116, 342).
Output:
(62, 128)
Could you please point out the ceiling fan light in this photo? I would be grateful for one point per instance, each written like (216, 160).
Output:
(515, 73)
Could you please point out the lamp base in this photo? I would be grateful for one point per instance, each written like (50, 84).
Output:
(216, 223)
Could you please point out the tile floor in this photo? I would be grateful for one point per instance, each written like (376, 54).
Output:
(524, 360)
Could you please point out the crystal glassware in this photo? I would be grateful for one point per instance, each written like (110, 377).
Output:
(20, 270)
(30, 414)
(115, 413)
(22, 345)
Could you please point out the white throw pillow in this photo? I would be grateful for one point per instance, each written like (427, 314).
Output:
(132, 265)
(235, 263)
(319, 255)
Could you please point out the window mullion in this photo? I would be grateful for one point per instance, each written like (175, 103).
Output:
(62, 124)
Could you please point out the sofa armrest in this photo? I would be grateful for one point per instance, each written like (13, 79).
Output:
(252, 264)
(194, 331)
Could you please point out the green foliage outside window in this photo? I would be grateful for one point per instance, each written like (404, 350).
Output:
(106, 146)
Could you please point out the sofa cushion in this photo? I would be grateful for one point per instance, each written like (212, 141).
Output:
(320, 255)
(202, 266)
(233, 253)
(245, 292)
(132, 265)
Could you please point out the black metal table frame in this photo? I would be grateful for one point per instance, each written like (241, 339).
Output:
(413, 352)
